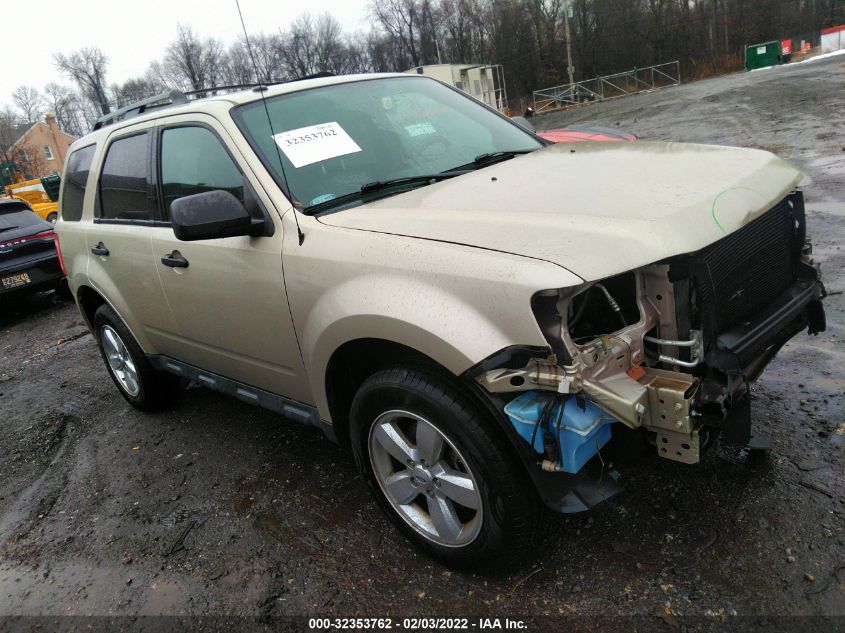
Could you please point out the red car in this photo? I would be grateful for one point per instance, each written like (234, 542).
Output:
(577, 134)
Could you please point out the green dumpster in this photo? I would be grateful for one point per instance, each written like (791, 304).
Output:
(763, 55)
(51, 186)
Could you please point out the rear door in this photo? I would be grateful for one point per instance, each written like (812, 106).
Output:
(119, 239)
(71, 227)
(229, 298)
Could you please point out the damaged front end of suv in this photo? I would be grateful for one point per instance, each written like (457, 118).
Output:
(670, 348)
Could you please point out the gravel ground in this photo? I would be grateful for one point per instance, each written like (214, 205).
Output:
(217, 508)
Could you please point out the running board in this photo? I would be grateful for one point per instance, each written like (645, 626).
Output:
(291, 409)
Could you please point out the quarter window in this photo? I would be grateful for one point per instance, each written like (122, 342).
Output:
(125, 192)
(76, 179)
(193, 160)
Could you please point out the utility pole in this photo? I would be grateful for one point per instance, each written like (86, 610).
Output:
(570, 69)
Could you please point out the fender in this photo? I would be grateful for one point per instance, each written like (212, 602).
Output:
(456, 304)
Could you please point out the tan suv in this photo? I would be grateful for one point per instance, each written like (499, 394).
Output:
(475, 311)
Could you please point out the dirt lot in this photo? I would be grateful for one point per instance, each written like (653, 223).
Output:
(218, 508)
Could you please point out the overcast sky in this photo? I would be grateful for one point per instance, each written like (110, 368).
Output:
(132, 34)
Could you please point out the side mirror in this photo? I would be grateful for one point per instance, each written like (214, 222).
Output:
(210, 215)
(521, 121)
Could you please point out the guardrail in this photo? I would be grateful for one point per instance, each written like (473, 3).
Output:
(608, 87)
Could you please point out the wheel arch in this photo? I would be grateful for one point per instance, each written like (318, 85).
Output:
(358, 359)
(89, 300)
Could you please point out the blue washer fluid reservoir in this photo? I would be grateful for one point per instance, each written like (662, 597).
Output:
(583, 430)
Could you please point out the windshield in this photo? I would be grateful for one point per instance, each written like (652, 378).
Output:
(336, 139)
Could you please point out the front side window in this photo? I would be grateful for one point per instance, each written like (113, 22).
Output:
(193, 160)
(125, 192)
(333, 140)
(76, 179)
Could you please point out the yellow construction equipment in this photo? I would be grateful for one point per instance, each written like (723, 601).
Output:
(33, 192)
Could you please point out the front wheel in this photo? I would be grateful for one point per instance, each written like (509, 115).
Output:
(442, 471)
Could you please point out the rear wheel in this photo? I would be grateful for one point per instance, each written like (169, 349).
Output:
(138, 382)
(53, 217)
(441, 471)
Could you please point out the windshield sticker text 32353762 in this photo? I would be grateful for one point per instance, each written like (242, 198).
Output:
(315, 143)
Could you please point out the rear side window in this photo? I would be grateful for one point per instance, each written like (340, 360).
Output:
(76, 179)
(125, 192)
(193, 160)
(16, 216)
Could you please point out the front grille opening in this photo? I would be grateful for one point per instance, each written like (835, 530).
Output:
(741, 274)
(591, 313)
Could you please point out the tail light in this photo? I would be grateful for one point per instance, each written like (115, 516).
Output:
(59, 252)
(45, 235)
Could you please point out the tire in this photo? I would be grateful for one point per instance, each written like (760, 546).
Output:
(52, 217)
(137, 381)
(482, 510)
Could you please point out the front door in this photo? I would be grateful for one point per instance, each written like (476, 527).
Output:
(228, 296)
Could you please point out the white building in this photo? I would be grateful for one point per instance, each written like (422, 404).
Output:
(484, 82)
(833, 39)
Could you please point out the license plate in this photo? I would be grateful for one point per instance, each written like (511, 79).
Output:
(15, 281)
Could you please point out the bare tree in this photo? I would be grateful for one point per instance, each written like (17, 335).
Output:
(136, 89)
(237, 66)
(398, 18)
(299, 47)
(29, 102)
(525, 36)
(87, 67)
(28, 161)
(63, 102)
(268, 54)
(9, 124)
(191, 63)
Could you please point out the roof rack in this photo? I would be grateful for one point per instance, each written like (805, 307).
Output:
(174, 97)
(179, 97)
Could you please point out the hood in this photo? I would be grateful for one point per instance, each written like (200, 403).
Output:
(596, 209)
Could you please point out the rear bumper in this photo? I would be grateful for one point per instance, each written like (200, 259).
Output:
(43, 271)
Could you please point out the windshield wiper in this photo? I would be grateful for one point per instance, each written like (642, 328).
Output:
(379, 185)
(493, 157)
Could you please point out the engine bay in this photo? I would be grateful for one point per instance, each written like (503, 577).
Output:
(670, 348)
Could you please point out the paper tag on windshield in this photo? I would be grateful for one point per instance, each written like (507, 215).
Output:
(420, 129)
(315, 143)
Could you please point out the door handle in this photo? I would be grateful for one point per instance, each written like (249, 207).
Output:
(175, 260)
(100, 249)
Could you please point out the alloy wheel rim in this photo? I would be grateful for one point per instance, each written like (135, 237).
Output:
(425, 478)
(120, 361)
